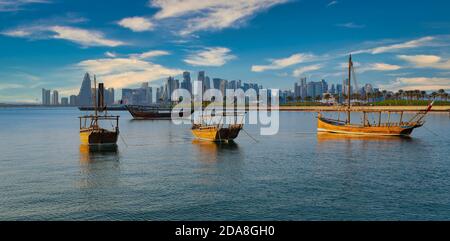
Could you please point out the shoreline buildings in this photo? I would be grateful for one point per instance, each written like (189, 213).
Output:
(85, 96)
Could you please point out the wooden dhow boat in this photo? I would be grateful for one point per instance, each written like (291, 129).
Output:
(91, 133)
(387, 128)
(218, 131)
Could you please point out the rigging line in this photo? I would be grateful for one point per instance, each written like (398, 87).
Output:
(250, 135)
(123, 140)
(434, 133)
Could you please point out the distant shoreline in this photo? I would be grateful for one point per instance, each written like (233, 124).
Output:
(295, 108)
(364, 108)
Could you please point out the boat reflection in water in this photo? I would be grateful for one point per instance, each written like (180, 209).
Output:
(209, 152)
(91, 154)
(99, 166)
(333, 137)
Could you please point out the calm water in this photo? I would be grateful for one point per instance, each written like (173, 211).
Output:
(162, 174)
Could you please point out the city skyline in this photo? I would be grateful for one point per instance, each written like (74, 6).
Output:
(50, 44)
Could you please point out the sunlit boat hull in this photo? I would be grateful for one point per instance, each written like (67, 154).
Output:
(98, 137)
(330, 126)
(216, 135)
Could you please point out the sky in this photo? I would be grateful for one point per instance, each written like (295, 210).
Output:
(52, 43)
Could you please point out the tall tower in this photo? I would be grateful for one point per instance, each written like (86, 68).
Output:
(55, 98)
(85, 95)
(45, 97)
(187, 81)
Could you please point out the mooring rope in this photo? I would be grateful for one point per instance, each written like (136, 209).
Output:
(250, 135)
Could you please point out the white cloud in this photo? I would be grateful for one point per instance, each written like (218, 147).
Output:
(400, 46)
(81, 36)
(136, 24)
(426, 61)
(283, 63)
(210, 14)
(123, 72)
(380, 67)
(332, 3)
(300, 71)
(17, 5)
(17, 33)
(418, 83)
(110, 54)
(350, 25)
(215, 56)
(6, 86)
(150, 54)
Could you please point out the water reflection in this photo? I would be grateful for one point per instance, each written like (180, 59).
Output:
(99, 166)
(330, 137)
(210, 152)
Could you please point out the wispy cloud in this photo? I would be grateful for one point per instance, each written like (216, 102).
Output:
(17, 5)
(136, 24)
(284, 62)
(123, 72)
(84, 37)
(418, 83)
(212, 56)
(302, 70)
(379, 67)
(426, 61)
(210, 14)
(416, 43)
(350, 25)
(5, 86)
(150, 54)
(110, 54)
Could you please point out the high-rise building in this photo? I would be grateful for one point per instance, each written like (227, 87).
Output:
(339, 89)
(73, 100)
(45, 97)
(55, 98)
(332, 89)
(170, 86)
(223, 86)
(111, 96)
(186, 84)
(85, 95)
(64, 101)
(324, 86)
(216, 83)
(206, 84)
(201, 78)
(149, 95)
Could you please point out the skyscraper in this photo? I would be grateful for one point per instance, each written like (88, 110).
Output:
(186, 84)
(85, 95)
(216, 83)
(64, 101)
(73, 100)
(207, 84)
(201, 79)
(324, 86)
(171, 85)
(45, 97)
(111, 96)
(55, 98)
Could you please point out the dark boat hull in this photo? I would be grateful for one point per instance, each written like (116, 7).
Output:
(149, 113)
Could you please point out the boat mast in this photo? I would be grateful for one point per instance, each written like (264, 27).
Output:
(350, 65)
(95, 96)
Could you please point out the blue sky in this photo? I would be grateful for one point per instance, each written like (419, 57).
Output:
(51, 43)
